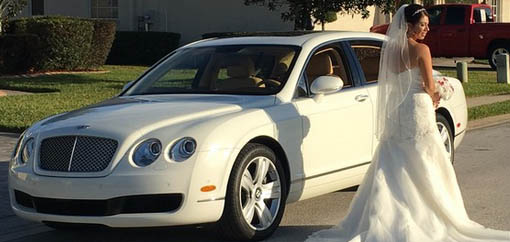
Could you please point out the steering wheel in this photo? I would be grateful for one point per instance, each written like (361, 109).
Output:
(270, 83)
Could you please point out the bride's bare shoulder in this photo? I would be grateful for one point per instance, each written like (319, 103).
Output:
(419, 48)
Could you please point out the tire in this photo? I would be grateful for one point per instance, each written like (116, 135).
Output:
(245, 190)
(446, 132)
(501, 48)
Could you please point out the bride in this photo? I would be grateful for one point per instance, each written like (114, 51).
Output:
(410, 192)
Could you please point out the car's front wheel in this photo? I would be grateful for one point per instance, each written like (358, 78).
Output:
(256, 194)
(446, 133)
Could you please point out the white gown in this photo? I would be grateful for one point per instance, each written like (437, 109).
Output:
(410, 192)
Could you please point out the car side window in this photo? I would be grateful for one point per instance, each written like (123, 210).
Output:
(435, 15)
(368, 54)
(327, 61)
(455, 15)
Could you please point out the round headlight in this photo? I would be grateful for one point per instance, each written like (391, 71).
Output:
(183, 149)
(28, 150)
(147, 152)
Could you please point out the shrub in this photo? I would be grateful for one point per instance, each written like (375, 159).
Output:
(16, 52)
(141, 48)
(67, 43)
(102, 39)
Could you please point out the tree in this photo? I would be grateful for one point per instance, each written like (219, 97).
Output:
(301, 11)
(10, 8)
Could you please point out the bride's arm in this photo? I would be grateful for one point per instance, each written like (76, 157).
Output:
(425, 64)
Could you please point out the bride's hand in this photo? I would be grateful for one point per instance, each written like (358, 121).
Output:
(435, 99)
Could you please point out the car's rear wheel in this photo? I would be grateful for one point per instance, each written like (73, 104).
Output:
(494, 51)
(446, 133)
(256, 195)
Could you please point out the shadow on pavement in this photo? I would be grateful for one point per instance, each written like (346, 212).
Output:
(282, 234)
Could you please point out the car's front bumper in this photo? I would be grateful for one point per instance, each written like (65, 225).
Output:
(182, 179)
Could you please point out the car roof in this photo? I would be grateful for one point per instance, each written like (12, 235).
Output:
(285, 38)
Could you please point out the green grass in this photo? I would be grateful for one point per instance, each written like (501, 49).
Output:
(480, 83)
(59, 93)
(489, 110)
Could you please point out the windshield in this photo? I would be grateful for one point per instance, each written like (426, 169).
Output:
(246, 69)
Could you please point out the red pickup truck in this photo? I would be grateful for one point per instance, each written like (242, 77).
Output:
(464, 30)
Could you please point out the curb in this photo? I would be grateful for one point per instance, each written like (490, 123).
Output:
(488, 122)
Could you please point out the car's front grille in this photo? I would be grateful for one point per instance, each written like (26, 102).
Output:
(152, 203)
(76, 153)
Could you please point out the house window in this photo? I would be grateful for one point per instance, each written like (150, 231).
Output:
(105, 9)
(494, 5)
(37, 7)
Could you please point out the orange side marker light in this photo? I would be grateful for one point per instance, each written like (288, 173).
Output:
(208, 188)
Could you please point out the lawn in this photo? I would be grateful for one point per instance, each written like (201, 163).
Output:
(59, 93)
(480, 83)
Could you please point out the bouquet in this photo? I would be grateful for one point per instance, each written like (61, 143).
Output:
(444, 87)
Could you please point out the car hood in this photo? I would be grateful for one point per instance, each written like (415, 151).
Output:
(122, 116)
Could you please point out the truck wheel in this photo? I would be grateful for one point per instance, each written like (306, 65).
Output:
(446, 133)
(496, 50)
(256, 195)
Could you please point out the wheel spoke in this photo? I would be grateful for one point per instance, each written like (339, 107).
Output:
(264, 215)
(247, 181)
(249, 210)
(261, 172)
(444, 134)
(271, 190)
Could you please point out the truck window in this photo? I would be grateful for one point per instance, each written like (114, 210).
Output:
(435, 15)
(455, 16)
(482, 15)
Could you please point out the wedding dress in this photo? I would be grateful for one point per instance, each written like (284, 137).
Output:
(410, 191)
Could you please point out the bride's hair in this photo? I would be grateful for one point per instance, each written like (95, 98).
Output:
(414, 12)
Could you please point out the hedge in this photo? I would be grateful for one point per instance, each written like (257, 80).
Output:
(141, 48)
(65, 43)
(102, 40)
(16, 52)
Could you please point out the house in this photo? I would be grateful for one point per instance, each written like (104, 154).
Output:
(192, 18)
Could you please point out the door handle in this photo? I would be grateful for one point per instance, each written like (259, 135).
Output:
(461, 30)
(361, 98)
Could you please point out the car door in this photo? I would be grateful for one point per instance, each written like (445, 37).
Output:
(337, 128)
(454, 35)
(432, 38)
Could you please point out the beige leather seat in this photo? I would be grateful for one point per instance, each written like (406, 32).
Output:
(319, 65)
(241, 73)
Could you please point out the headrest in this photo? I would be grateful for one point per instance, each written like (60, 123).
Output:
(241, 66)
(280, 69)
(320, 65)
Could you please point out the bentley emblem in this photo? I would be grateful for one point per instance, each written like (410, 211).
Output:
(83, 127)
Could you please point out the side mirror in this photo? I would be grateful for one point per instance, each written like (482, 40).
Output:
(128, 85)
(326, 84)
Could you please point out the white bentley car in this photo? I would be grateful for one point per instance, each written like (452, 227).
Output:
(224, 131)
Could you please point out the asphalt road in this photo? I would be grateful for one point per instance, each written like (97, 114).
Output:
(482, 166)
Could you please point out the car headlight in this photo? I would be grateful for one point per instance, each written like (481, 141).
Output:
(16, 150)
(147, 152)
(27, 151)
(183, 149)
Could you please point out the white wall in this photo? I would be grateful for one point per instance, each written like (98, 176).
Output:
(192, 18)
(351, 22)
